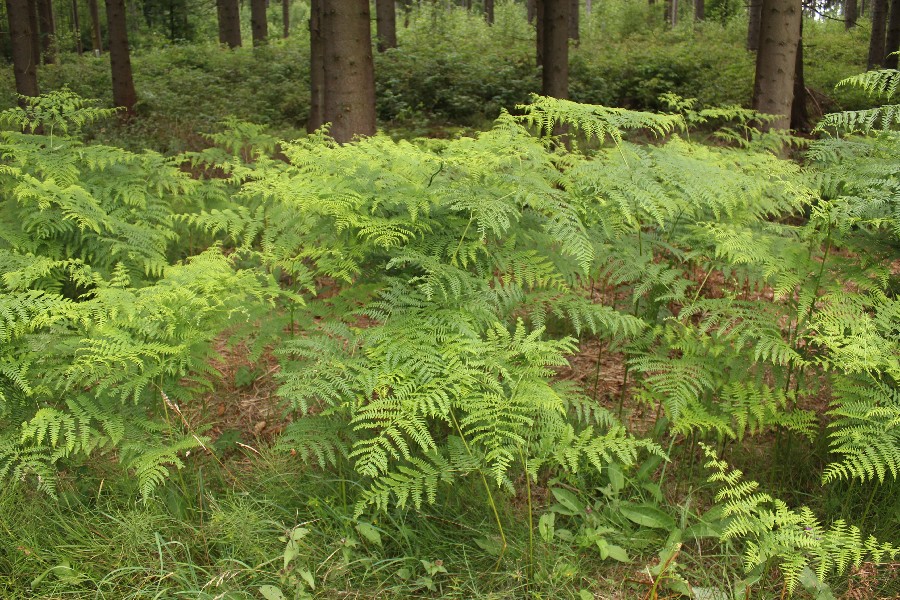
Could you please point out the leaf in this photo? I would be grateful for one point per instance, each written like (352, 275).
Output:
(706, 593)
(489, 545)
(647, 516)
(291, 551)
(546, 526)
(568, 502)
(585, 595)
(818, 589)
(307, 576)
(368, 531)
(612, 551)
(616, 477)
(270, 592)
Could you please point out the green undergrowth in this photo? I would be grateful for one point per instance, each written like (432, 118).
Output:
(403, 313)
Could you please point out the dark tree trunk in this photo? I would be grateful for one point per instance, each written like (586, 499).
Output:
(489, 11)
(892, 41)
(776, 60)
(48, 31)
(876, 42)
(539, 30)
(555, 78)
(349, 68)
(76, 27)
(285, 18)
(259, 22)
(755, 16)
(24, 66)
(316, 68)
(229, 14)
(574, 24)
(96, 37)
(699, 10)
(120, 57)
(386, 24)
(531, 9)
(850, 13)
(799, 112)
(35, 32)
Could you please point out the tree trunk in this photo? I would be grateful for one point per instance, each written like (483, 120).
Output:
(48, 31)
(671, 13)
(776, 60)
(539, 30)
(876, 42)
(755, 14)
(587, 7)
(259, 22)
(799, 112)
(850, 13)
(76, 28)
(285, 18)
(24, 66)
(555, 78)
(489, 11)
(229, 14)
(316, 68)
(531, 9)
(699, 10)
(96, 37)
(349, 68)
(574, 24)
(35, 32)
(120, 57)
(386, 24)
(892, 41)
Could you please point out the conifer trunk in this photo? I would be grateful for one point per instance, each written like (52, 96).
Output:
(574, 24)
(892, 41)
(876, 42)
(35, 32)
(851, 13)
(24, 66)
(259, 22)
(349, 68)
(316, 68)
(120, 57)
(96, 37)
(776, 60)
(799, 111)
(489, 11)
(229, 15)
(285, 18)
(755, 16)
(699, 10)
(76, 28)
(539, 30)
(48, 31)
(386, 24)
(531, 10)
(555, 74)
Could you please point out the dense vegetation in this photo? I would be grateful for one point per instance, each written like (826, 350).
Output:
(500, 364)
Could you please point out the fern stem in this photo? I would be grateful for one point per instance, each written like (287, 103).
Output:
(487, 488)
(869, 504)
(703, 283)
(597, 370)
(530, 572)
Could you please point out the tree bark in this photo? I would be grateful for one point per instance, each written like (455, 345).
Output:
(489, 11)
(76, 28)
(349, 68)
(120, 57)
(892, 41)
(851, 13)
(776, 60)
(48, 31)
(799, 111)
(229, 14)
(699, 10)
(555, 77)
(531, 9)
(96, 37)
(386, 24)
(24, 66)
(755, 14)
(35, 32)
(259, 22)
(285, 18)
(574, 24)
(316, 68)
(539, 30)
(876, 42)
(587, 7)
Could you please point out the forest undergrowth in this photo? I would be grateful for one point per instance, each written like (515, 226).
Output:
(497, 366)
